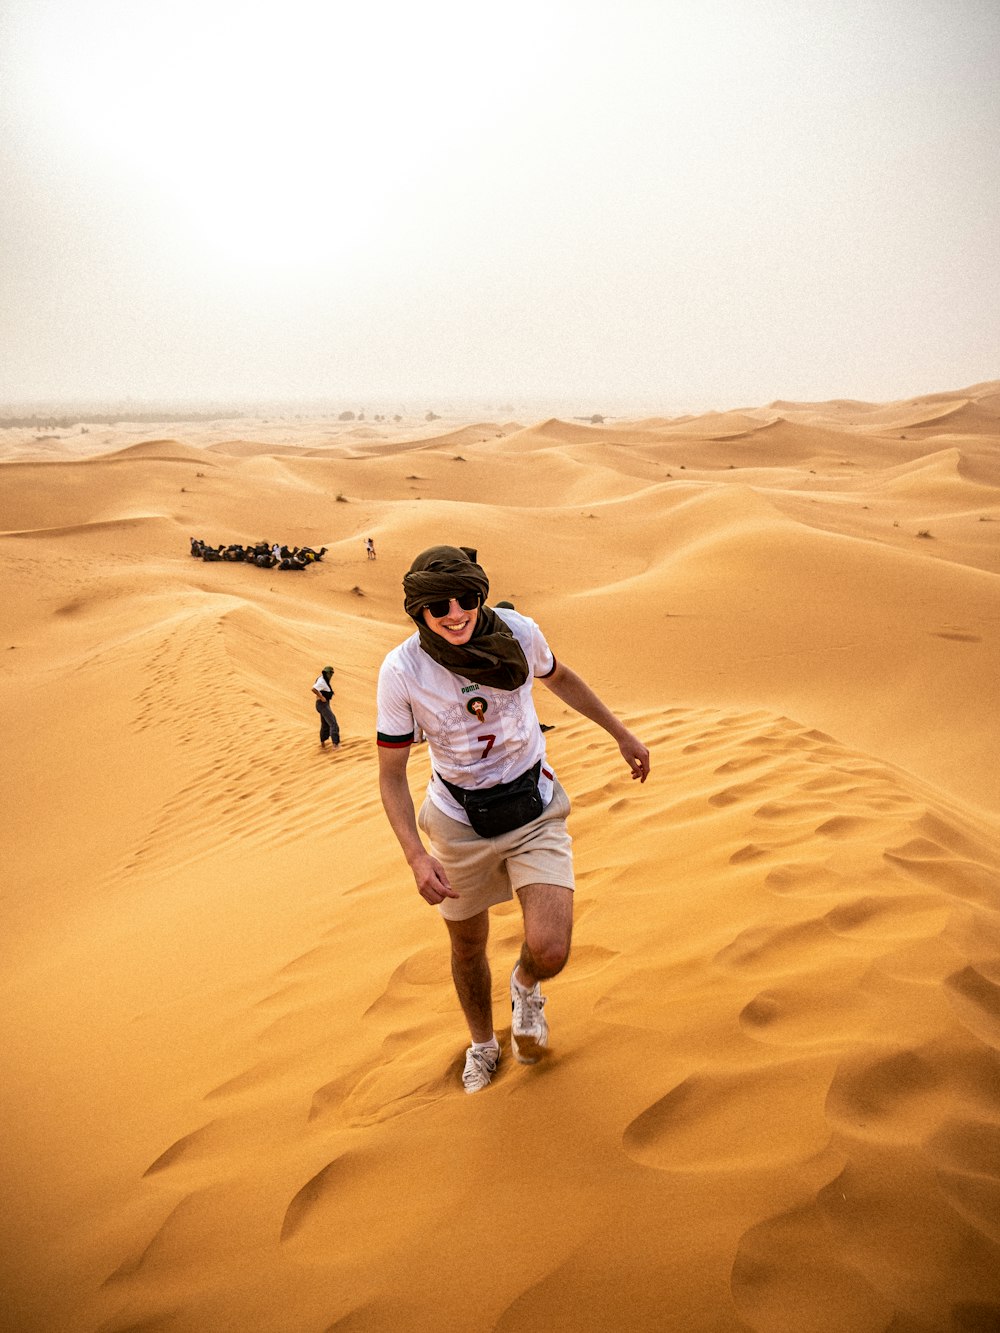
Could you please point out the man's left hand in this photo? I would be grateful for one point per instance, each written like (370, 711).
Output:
(635, 755)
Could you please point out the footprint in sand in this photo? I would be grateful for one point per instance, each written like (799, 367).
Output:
(865, 1254)
(739, 794)
(847, 826)
(178, 1244)
(967, 1155)
(751, 852)
(191, 1147)
(792, 809)
(930, 864)
(834, 1011)
(712, 1122)
(426, 967)
(353, 1198)
(740, 764)
(768, 949)
(893, 1097)
(902, 917)
(392, 1086)
(976, 1000)
(804, 879)
(319, 1206)
(788, 1264)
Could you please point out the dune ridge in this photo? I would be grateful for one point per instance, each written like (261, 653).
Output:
(232, 1096)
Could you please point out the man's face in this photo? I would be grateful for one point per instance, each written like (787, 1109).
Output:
(456, 626)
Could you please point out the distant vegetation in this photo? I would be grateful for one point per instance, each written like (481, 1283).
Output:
(39, 422)
(67, 418)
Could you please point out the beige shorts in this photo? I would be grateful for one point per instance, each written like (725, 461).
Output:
(486, 871)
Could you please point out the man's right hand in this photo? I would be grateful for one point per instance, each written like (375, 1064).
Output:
(432, 882)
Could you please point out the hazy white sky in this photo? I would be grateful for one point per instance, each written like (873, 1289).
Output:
(626, 202)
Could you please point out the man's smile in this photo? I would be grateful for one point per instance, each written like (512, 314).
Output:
(457, 625)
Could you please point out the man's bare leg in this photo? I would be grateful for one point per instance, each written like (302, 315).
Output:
(470, 971)
(548, 932)
(548, 928)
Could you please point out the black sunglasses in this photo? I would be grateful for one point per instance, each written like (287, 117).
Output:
(468, 601)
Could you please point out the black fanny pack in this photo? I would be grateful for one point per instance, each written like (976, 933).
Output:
(500, 809)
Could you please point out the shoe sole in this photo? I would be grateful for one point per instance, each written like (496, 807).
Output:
(471, 1092)
(528, 1050)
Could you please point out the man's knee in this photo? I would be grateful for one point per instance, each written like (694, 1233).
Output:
(548, 943)
(548, 926)
(549, 953)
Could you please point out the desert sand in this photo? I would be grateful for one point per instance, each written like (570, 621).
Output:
(231, 1094)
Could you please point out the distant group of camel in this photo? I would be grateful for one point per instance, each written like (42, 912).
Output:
(266, 555)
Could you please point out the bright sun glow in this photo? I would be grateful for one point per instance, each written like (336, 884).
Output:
(286, 134)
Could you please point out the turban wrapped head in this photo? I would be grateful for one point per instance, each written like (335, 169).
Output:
(493, 655)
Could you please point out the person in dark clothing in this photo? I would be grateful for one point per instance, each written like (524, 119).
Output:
(329, 729)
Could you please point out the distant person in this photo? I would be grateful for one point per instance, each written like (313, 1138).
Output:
(370, 547)
(495, 814)
(324, 692)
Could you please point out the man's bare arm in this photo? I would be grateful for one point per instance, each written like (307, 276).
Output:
(573, 690)
(429, 874)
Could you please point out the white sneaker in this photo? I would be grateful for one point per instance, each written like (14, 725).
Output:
(480, 1066)
(529, 1032)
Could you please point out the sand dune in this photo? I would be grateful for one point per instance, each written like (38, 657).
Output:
(232, 1092)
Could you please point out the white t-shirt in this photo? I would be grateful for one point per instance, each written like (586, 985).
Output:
(324, 687)
(477, 736)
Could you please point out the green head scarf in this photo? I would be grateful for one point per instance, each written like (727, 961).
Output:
(492, 656)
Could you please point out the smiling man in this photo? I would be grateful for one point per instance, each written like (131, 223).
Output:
(495, 813)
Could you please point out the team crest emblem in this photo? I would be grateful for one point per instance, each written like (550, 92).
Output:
(478, 707)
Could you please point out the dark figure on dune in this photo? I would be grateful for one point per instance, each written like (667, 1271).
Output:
(323, 690)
